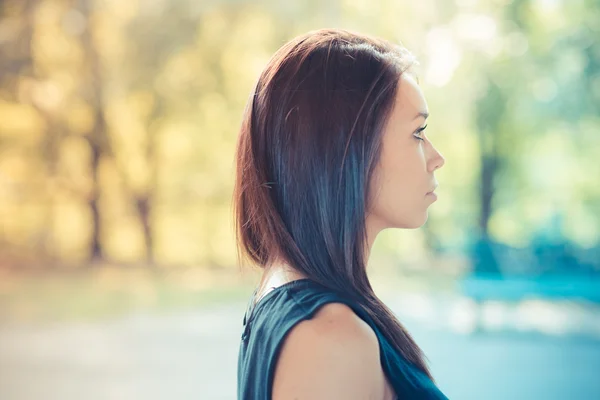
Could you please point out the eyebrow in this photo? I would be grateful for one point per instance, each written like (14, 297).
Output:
(422, 114)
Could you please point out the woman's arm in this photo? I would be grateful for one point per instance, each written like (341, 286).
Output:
(334, 355)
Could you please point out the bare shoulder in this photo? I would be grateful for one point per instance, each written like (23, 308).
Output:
(333, 355)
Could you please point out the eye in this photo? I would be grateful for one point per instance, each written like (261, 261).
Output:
(418, 132)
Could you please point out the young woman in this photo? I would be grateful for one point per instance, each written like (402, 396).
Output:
(332, 150)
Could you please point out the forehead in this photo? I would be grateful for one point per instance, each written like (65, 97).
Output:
(409, 100)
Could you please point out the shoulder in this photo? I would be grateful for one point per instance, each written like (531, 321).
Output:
(335, 354)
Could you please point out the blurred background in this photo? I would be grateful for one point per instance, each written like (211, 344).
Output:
(118, 124)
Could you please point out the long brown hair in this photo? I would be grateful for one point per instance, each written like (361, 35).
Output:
(309, 143)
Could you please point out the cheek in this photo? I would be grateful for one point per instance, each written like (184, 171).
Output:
(400, 176)
(397, 188)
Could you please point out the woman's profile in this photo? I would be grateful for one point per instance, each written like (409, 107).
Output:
(332, 150)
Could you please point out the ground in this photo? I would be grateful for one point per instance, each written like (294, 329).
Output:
(192, 355)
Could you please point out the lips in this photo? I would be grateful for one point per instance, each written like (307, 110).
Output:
(435, 187)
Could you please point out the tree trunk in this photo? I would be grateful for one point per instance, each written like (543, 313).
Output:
(97, 136)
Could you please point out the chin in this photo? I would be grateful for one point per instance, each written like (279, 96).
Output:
(419, 222)
(414, 224)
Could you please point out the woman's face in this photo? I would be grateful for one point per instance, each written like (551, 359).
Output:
(404, 174)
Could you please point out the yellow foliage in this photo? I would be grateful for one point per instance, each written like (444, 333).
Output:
(80, 117)
(71, 232)
(123, 10)
(75, 163)
(123, 239)
(22, 121)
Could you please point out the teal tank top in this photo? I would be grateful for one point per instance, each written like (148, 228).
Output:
(277, 312)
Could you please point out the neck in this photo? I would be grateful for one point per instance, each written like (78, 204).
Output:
(373, 229)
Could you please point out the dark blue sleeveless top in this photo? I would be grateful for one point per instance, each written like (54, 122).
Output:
(267, 323)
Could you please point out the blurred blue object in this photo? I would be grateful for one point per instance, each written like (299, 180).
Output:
(544, 257)
(490, 286)
(551, 270)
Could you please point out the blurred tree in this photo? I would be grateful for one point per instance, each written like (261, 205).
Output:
(22, 82)
(528, 94)
(97, 136)
(120, 120)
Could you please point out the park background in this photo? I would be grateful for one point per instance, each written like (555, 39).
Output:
(118, 126)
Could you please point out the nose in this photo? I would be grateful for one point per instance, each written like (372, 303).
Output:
(436, 161)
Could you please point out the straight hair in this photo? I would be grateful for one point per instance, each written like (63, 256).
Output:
(309, 143)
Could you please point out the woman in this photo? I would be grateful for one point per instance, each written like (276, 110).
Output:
(332, 150)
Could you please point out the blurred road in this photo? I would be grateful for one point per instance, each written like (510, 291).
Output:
(192, 355)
